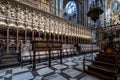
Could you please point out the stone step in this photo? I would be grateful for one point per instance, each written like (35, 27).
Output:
(9, 60)
(102, 76)
(8, 65)
(102, 70)
(102, 59)
(110, 65)
(110, 56)
(9, 56)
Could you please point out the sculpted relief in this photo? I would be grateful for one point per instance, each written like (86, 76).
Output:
(21, 15)
(35, 18)
(3, 10)
(11, 11)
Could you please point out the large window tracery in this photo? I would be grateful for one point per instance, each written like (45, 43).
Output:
(70, 11)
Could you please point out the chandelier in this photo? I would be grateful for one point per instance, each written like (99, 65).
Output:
(94, 13)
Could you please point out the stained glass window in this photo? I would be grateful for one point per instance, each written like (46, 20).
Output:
(70, 11)
(71, 8)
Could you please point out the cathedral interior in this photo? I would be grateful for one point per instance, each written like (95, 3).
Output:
(60, 39)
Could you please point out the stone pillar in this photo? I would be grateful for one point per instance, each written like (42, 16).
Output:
(39, 34)
(53, 6)
(62, 37)
(17, 41)
(65, 37)
(68, 39)
(49, 36)
(61, 7)
(32, 35)
(80, 13)
(58, 37)
(57, 8)
(77, 39)
(25, 36)
(71, 39)
(7, 49)
(54, 36)
(44, 35)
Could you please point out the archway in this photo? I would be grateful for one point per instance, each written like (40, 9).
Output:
(29, 34)
(12, 39)
(21, 35)
(3, 38)
(36, 34)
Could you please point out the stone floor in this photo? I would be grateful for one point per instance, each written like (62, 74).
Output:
(71, 69)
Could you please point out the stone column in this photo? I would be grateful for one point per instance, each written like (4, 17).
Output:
(68, 38)
(39, 34)
(65, 39)
(25, 36)
(44, 35)
(58, 37)
(76, 40)
(62, 37)
(57, 7)
(71, 39)
(80, 12)
(32, 35)
(49, 36)
(61, 7)
(54, 36)
(17, 41)
(7, 49)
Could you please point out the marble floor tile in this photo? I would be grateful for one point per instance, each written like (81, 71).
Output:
(63, 60)
(58, 71)
(76, 58)
(17, 70)
(79, 67)
(72, 72)
(8, 75)
(88, 63)
(2, 72)
(69, 59)
(70, 66)
(70, 63)
(60, 66)
(55, 77)
(78, 61)
(81, 58)
(72, 79)
(87, 77)
(54, 63)
(44, 71)
(40, 66)
(23, 76)
(71, 69)
(38, 78)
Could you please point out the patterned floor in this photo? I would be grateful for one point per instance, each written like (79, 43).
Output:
(71, 69)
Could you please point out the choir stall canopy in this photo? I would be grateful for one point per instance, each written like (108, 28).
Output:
(45, 46)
